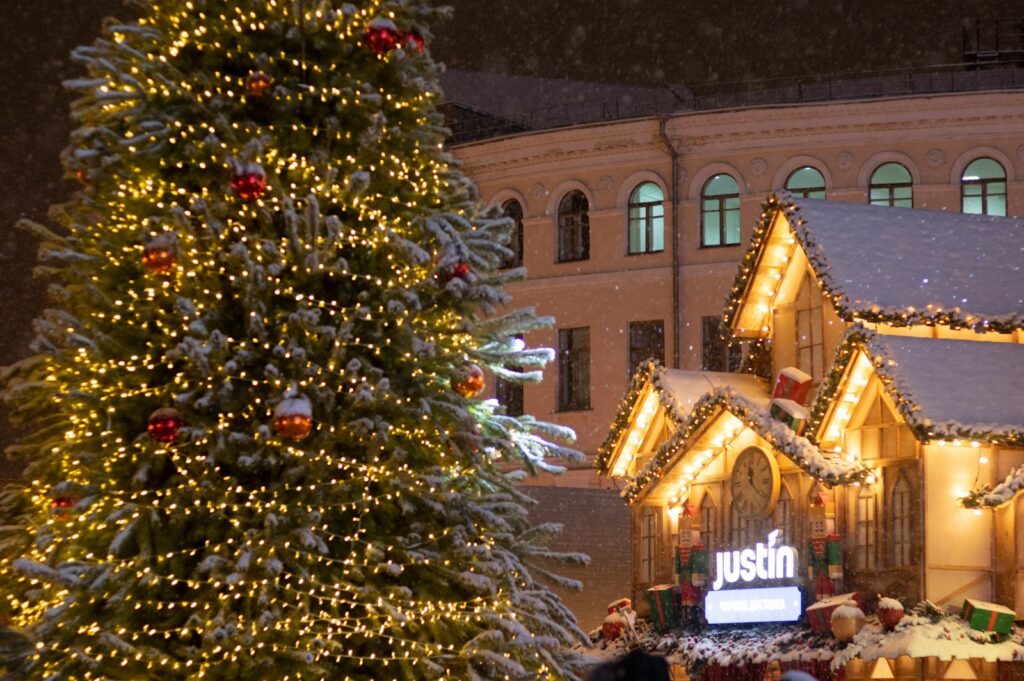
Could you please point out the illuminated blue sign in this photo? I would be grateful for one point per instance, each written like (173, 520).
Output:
(740, 606)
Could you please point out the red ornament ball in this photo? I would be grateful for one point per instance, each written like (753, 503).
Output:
(414, 40)
(82, 176)
(158, 256)
(460, 271)
(472, 383)
(293, 418)
(257, 84)
(62, 505)
(164, 424)
(382, 36)
(249, 183)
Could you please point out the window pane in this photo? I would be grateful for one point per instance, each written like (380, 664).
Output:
(984, 169)
(807, 181)
(721, 185)
(658, 230)
(997, 205)
(972, 205)
(646, 193)
(513, 210)
(890, 173)
(711, 219)
(732, 221)
(646, 341)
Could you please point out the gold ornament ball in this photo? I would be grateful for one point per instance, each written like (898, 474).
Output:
(293, 418)
(847, 620)
(472, 384)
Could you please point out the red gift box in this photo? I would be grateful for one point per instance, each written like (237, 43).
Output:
(793, 384)
(819, 615)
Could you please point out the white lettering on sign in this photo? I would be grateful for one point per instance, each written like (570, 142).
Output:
(740, 606)
(761, 562)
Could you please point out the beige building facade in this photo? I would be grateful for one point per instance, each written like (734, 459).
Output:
(711, 171)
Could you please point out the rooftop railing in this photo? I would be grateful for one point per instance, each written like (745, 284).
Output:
(966, 77)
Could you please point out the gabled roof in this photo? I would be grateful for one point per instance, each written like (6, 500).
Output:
(902, 266)
(944, 389)
(745, 397)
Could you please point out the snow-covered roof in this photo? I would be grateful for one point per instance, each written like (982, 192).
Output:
(892, 259)
(685, 388)
(959, 386)
(905, 266)
(944, 389)
(690, 398)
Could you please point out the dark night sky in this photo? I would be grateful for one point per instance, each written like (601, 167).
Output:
(650, 42)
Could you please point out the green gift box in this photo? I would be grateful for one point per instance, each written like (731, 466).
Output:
(985, 616)
(662, 600)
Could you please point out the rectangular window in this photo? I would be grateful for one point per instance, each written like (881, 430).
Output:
(574, 369)
(716, 353)
(867, 541)
(648, 543)
(809, 332)
(646, 341)
(646, 227)
(510, 396)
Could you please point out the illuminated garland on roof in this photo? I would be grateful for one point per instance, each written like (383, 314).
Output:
(827, 470)
(849, 312)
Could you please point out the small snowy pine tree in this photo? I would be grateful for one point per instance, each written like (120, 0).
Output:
(255, 453)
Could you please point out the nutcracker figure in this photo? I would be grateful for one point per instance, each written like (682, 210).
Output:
(691, 568)
(825, 563)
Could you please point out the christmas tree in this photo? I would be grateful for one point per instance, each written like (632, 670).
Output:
(258, 447)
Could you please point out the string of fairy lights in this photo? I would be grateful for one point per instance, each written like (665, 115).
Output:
(196, 220)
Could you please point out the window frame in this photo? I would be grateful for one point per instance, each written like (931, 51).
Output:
(639, 353)
(901, 514)
(891, 187)
(722, 211)
(574, 369)
(805, 192)
(984, 184)
(646, 220)
(731, 356)
(814, 309)
(866, 528)
(707, 521)
(516, 243)
(572, 230)
(648, 544)
(782, 514)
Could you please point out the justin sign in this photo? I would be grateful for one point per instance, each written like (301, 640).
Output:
(764, 562)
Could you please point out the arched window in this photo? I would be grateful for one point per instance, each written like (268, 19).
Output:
(573, 227)
(782, 516)
(983, 188)
(720, 212)
(646, 219)
(891, 185)
(902, 527)
(707, 521)
(513, 210)
(807, 182)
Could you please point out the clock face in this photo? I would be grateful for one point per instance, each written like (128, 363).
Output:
(755, 483)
